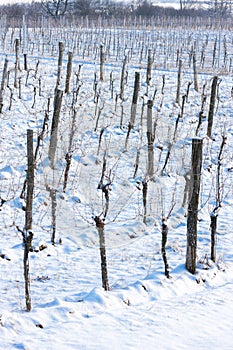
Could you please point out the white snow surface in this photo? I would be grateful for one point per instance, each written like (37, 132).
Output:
(143, 309)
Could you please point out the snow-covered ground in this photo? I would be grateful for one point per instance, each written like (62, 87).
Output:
(143, 308)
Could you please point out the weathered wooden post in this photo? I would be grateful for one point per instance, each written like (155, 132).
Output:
(100, 228)
(150, 140)
(163, 246)
(27, 234)
(195, 70)
(122, 84)
(61, 49)
(3, 83)
(193, 205)
(212, 104)
(149, 67)
(179, 82)
(17, 61)
(68, 72)
(54, 127)
(102, 58)
(133, 106)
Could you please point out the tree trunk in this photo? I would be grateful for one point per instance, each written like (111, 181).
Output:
(212, 104)
(193, 205)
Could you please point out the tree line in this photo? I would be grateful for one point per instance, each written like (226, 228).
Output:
(57, 9)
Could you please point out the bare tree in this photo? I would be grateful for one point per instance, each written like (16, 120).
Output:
(55, 8)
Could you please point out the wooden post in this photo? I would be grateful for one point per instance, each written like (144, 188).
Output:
(178, 82)
(163, 247)
(3, 83)
(17, 61)
(53, 197)
(100, 228)
(27, 234)
(30, 180)
(193, 205)
(25, 62)
(195, 70)
(133, 106)
(144, 199)
(59, 69)
(213, 226)
(149, 66)
(212, 104)
(54, 128)
(68, 72)
(150, 140)
(102, 58)
(122, 86)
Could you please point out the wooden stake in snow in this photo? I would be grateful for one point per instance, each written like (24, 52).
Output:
(150, 139)
(193, 205)
(163, 246)
(149, 67)
(102, 58)
(17, 61)
(195, 70)
(54, 128)
(3, 83)
(27, 234)
(30, 180)
(100, 228)
(59, 68)
(212, 104)
(178, 82)
(133, 106)
(68, 72)
(123, 78)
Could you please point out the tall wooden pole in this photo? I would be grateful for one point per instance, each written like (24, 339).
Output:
(193, 205)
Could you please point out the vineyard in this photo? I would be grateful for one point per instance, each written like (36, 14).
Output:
(116, 190)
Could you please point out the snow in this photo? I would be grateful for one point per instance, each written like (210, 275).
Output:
(143, 308)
